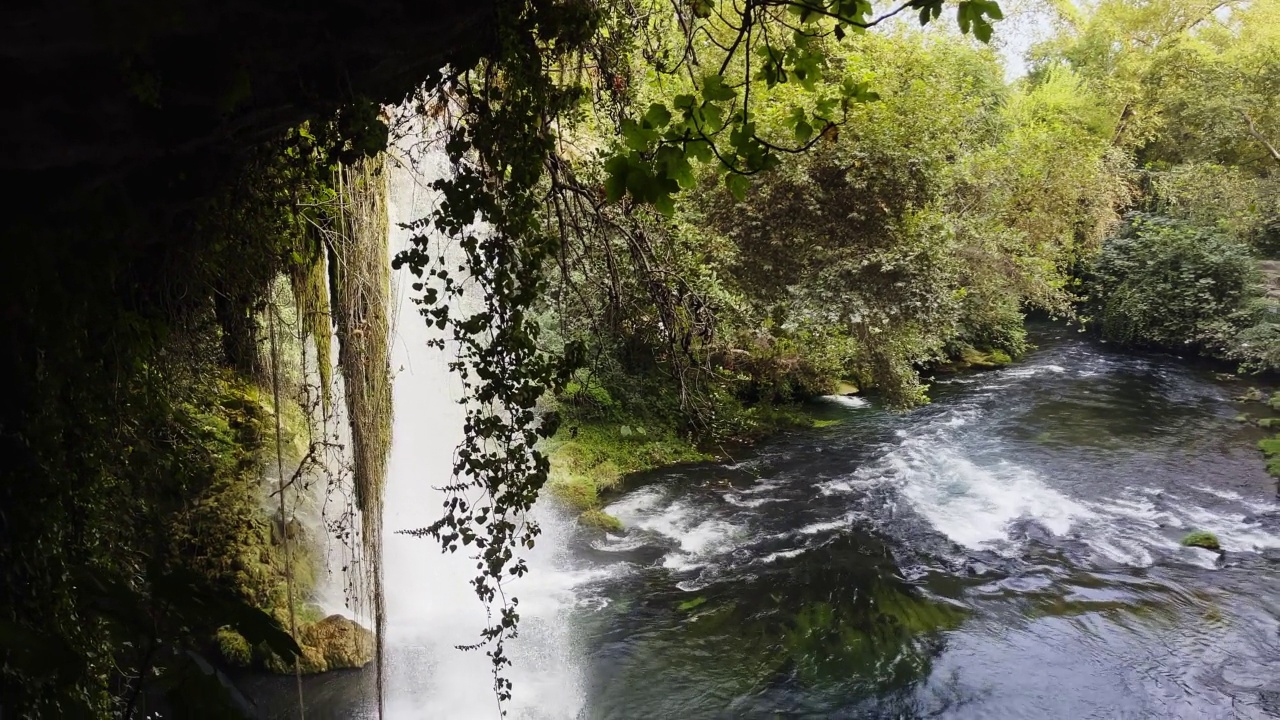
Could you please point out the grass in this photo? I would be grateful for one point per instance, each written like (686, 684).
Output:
(588, 459)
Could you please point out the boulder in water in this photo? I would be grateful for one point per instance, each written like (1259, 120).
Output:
(340, 642)
(1202, 539)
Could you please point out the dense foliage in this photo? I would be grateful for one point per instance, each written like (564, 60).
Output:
(1167, 283)
(674, 216)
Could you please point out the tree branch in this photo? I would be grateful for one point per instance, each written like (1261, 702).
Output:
(1253, 130)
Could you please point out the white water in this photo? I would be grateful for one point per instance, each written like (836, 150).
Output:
(430, 605)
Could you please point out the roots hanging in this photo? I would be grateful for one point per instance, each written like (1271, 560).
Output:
(361, 279)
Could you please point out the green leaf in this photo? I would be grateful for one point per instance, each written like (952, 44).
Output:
(982, 31)
(737, 185)
(714, 89)
(804, 131)
(657, 115)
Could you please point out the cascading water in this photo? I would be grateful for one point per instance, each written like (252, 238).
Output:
(430, 606)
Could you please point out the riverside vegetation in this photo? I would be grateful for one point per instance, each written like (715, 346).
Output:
(698, 216)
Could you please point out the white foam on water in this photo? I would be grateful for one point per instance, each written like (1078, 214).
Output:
(973, 504)
(1032, 370)
(1260, 507)
(849, 401)
(774, 557)
(1235, 532)
(697, 538)
(827, 525)
(735, 499)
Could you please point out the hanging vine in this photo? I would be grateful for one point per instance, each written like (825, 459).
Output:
(509, 200)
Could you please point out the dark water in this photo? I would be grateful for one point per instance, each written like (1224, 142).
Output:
(1009, 551)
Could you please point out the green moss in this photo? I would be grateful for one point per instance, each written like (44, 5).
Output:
(590, 458)
(691, 604)
(1274, 402)
(600, 520)
(825, 423)
(1269, 423)
(1202, 539)
(984, 359)
(233, 648)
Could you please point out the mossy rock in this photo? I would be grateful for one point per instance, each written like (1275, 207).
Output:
(1274, 402)
(984, 359)
(845, 387)
(1250, 395)
(1202, 539)
(342, 642)
(311, 661)
(233, 648)
(1269, 423)
(600, 520)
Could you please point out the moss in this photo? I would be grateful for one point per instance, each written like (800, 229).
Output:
(233, 648)
(1202, 539)
(971, 358)
(1274, 402)
(825, 423)
(691, 604)
(844, 387)
(1270, 448)
(588, 459)
(1269, 423)
(984, 359)
(600, 520)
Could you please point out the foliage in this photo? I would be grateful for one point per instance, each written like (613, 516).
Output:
(502, 114)
(1166, 283)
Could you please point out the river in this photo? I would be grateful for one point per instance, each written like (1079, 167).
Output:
(1009, 551)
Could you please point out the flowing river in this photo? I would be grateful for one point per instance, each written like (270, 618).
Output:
(1009, 551)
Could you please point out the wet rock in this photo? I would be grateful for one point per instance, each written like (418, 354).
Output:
(1250, 395)
(339, 642)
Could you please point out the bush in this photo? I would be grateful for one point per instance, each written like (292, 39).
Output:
(1167, 283)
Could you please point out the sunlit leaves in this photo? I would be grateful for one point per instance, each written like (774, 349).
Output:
(756, 49)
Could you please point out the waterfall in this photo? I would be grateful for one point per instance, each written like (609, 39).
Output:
(430, 605)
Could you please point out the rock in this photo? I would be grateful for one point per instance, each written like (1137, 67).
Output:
(1269, 423)
(311, 661)
(1250, 395)
(339, 641)
(1202, 539)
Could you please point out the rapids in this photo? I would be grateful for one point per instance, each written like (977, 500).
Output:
(1009, 551)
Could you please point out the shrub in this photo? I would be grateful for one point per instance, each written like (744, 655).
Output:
(1170, 284)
